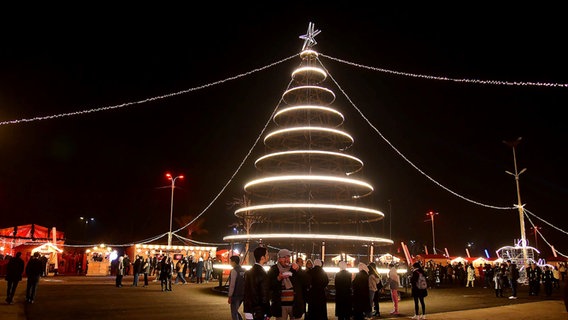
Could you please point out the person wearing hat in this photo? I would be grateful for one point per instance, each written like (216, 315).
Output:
(317, 297)
(286, 288)
(343, 292)
(360, 286)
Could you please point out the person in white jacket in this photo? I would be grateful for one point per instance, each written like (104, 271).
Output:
(394, 284)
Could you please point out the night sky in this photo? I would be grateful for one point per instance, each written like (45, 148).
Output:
(110, 164)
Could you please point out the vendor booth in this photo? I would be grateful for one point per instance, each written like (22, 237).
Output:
(99, 260)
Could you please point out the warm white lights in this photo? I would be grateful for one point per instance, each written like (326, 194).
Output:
(309, 206)
(310, 69)
(308, 128)
(314, 178)
(318, 108)
(307, 236)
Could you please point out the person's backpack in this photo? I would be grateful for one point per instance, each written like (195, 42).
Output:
(421, 282)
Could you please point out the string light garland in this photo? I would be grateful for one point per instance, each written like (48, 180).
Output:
(211, 84)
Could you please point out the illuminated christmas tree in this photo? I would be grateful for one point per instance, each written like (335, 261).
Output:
(307, 196)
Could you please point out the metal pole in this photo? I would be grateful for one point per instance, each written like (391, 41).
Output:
(519, 203)
(433, 236)
(171, 212)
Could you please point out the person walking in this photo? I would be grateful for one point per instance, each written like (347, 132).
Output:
(360, 287)
(419, 290)
(34, 270)
(343, 298)
(286, 289)
(256, 304)
(317, 297)
(394, 284)
(236, 287)
(179, 272)
(14, 270)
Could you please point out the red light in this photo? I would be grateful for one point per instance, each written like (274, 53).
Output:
(181, 177)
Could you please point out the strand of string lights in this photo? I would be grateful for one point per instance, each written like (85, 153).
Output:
(403, 156)
(169, 95)
(543, 238)
(460, 80)
(476, 81)
(187, 240)
(548, 223)
(240, 165)
(127, 104)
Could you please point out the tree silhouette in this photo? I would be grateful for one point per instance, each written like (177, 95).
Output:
(194, 228)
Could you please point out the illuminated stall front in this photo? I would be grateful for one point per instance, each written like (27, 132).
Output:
(99, 259)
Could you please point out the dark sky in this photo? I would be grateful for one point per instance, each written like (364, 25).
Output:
(110, 164)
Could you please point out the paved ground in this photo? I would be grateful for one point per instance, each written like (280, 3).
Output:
(73, 297)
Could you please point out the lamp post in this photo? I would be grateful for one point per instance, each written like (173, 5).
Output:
(173, 179)
(431, 214)
(536, 228)
(513, 144)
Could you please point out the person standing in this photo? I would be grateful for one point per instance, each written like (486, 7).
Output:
(360, 286)
(375, 287)
(547, 279)
(256, 302)
(512, 276)
(136, 270)
(34, 271)
(343, 292)
(394, 284)
(470, 275)
(14, 270)
(534, 273)
(199, 270)
(146, 269)
(236, 287)
(208, 266)
(498, 280)
(317, 297)
(304, 279)
(286, 289)
(418, 293)
(119, 271)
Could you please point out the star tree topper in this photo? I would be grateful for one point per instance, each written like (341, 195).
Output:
(309, 37)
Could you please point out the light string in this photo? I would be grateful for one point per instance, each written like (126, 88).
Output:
(428, 77)
(540, 234)
(462, 80)
(165, 96)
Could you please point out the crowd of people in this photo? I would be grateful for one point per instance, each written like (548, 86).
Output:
(289, 291)
(164, 269)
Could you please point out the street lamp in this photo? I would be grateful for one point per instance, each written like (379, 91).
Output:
(173, 179)
(513, 144)
(431, 214)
